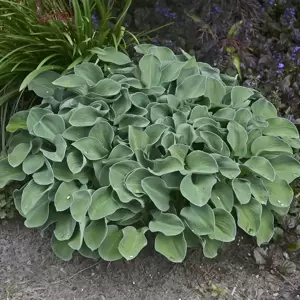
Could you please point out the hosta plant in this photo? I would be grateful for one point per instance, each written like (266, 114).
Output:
(168, 148)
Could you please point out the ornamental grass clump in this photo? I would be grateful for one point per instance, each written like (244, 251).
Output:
(168, 147)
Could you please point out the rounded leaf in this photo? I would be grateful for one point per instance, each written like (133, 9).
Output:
(199, 162)
(242, 189)
(281, 127)
(266, 229)
(261, 166)
(270, 145)
(95, 234)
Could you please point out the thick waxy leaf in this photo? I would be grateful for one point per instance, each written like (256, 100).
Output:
(70, 81)
(242, 117)
(108, 249)
(17, 121)
(76, 133)
(166, 223)
(32, 163)
(249, 216)
(91, 148)
(228, 168)
(133, 242)
(95, 234)
(118, 153)
(64, 227)
(81, 202)
(270, 145)
(281, 127)
(222, 196)
(171, 71)
(280, 193)
(64, 195)
(242, 190)
(61, 249)
(286, 167)
(19, 154)
(163, 53)
(111, 55)
(34, 116)
(258, 189)
(104, 133)
(261, 166)
(84, 116)
(192, 87)
(172, 247)
(106, 88)
(133, 181)
(77, 239)
(76, 161)
(61, 147)
(214, 143)
(179, 151)
(240, 94)
(138, 139)
(266, 229)
(197, 188)
(150, 67)
(225, 228)
(90, 72)
(103, 204)
(201, 220)
(210, 247)
(45, 175)
(215, 90)
(157, 191)
(237, 138)
(224, 114)
(264, 108)
(166, 165)
(199, 162)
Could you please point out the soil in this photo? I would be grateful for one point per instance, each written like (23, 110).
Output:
(30, 271)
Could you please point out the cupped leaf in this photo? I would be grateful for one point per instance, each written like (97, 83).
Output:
(83, 117)
(258, 189)
(239, 94)
(104, 133)
(19, 154)
(157, 191)
(262, 107)
(150, 67)
(90, 72)
(237, 138)
(45, 175)
(197, 188)
(77, 239)
(17, 121)
(59, 153)
(95, 234)
(249, 216)
(35, 115)
(133, 181)
(111, 55)
(133, 242)
(228, 168)
(201, 220)
(281, 127)
(242, 189)
(64, 195)
(222, 196)
(108, 249)
(106, 88)
(210, 247)
(215, 90)
(174, 248)
(61, 249)
(266, 229)
(91, 148)
(69, 81)
(270, 145)
(64, 227)
(74, 133)
(76, 161)
(81, 202)
(261, 166)
(191, 87)
(199, 162)
(32, 163)
(166, 223)
(166, 165)
(138, 139)
(214, 142)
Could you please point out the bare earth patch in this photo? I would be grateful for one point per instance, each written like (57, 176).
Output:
(30, 271)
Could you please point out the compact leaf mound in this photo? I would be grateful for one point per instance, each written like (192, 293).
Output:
(168, 147)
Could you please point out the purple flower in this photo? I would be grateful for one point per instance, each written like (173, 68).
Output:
(165, 11)
(218, 9)
(280, 66)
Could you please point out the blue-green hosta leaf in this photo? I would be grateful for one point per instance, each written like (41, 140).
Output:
(150, 67)
(205, 121)
(163, 53)
(200, 111)
(69, 81)
(45, 175)
(32, 163)
(243, 116)
(201, 220)
(111, 55)
(237, 138)
(262, 107)
(119, 153)
(128, 119)
(166, 223)
(240, 94)
(197, 188)
(186, 72)
(215, 91)
(214, 143)
(133, 181)
(168, 140)
(166, 165)
(242, 189)
(187, 132)
(138, 139)
(257, 122)
(108, 249)
(157, 191)
(103, 204)
(61, 147)
(199, 162)
(95, 234)
(222, 196)
(179, 118)
(81, 202)
(281, 127)
(32, 193)
(159, 111)
(64, 227)
(133, 242)
(154, 132)
(76, 240)
(224, 114)
(252, 135)
(270, 145)
(61, 249)
(210, 247)
(91, 148)
(106, 88)
(64, 195)
(172, 247)
(84, 116)
(85, 251)
(76, 161)
(117, 175)
(281, 211)
(173, 180)
(294, 143)
(35, 115)
(104, 133)
(17, 121)
(261, 166)
(228, 168)
(266, 229)
(74, 133)
(258, 189)
(280, 193)
(90, 72)
(191, 87)
(249, 216)
(171, 71)
(286, 167)
(19, 154)
(225, 228)
(179, 151)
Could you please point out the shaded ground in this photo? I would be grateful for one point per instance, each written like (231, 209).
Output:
(29, 270)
